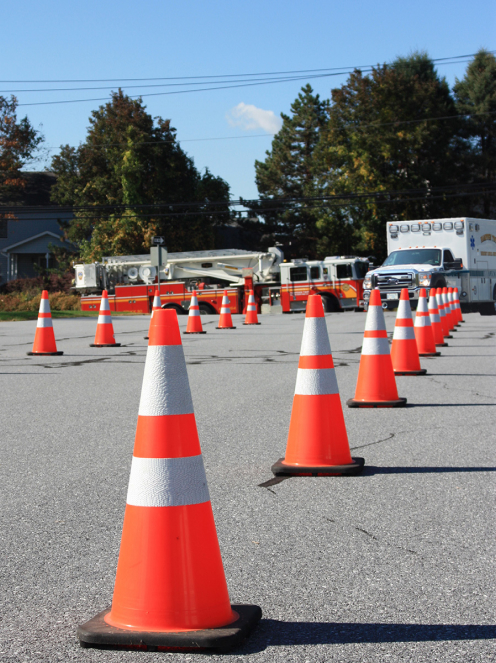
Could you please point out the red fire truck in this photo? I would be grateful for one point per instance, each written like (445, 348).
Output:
(279, 286)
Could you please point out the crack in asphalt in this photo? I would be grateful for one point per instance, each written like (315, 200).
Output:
(391, 435)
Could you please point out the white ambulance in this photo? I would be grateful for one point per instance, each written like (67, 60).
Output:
(436, 253)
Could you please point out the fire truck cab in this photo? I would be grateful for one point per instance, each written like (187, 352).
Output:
(338, 279)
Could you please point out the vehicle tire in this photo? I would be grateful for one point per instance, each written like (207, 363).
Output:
(440, 283)
(178, 309)
(490, 307)
(206, 309)
(330, 304)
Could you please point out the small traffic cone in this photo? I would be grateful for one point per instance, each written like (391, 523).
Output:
(437, 328)
(104, 337)
(157, 303)
(225, 320)
(424, 334)
(170, 588)
(317, 441)
(44, 338)
(447, 309)
(459, 315)
(404, 351)
(442, 313)
(194, 325)
(376, 384)
(251, 311)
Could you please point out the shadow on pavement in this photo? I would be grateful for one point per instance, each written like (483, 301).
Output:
(274, 633)
(371, 469)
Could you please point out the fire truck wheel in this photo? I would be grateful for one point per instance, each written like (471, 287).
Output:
(205, 309)
(330, 304)
(177, 309)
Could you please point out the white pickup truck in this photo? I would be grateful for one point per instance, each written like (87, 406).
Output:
(436, 253)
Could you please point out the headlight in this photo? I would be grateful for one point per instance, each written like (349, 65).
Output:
(367, 282)
(424, 278)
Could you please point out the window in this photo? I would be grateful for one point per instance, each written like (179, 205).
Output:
(413, 257)
(361, 268)
(298, 273)
(315, 273)
(448, 256)
(3, 228)
(344, 272)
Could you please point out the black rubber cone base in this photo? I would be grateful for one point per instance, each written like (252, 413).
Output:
(252, 323)
(44, 354)
(448, 336)
(146, 338)
(422, 371)
(97, 633)
(105, 345)
(401, 402)
(202, 332)
(280, 468)
(441, 345)
(225, 328)
(429, 354)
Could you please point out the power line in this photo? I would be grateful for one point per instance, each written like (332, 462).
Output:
(265, 73)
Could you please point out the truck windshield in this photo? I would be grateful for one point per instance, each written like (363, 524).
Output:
(361, 268)
(414, 257)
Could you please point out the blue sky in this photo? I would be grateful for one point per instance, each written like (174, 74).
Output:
(109, 39)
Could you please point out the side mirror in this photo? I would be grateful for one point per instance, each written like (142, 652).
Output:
(456, 264)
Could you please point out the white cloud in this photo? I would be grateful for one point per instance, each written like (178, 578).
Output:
(250, 117)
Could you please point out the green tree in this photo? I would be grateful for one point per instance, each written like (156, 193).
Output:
(382, 136)
(475, 95)
(19, 142)
(131, 164)
(288, 173)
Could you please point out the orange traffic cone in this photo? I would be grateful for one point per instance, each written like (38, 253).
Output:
(194, 325)
(225, 320)
(437, 328)
(424, 334)
(251, 311)
(459, 315)
(157, 303)
(104, 337)
(317, 441)
(170, 588)
(376, 384)
(404, 351)
(442, 313)
(447, 308)
(452, 304)
(44, 338)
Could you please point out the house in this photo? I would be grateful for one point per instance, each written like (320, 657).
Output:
(26, 241)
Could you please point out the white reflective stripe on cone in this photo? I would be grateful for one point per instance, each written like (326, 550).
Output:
(434, 317)
(44, 306)
(225, 301)
(193, 302)
(225, 310)
(403, 334)
(404, 310)
(440, 306)
(165, 382)
(193, 312)
(104, 319)
(159, 482)
(422, 321)
(157, 302)
(315, 340)
(375, 319)
(44, 322)
(104, 305)
(316, 381)
(375, 346)
(422, 306)
(251, 307)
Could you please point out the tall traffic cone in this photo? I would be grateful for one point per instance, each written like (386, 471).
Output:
(317, 441)
(170, 588)
(459, 315)
(44, 338)
(442, 313)
(452, 303)
(194, 325)
(157, 303)
(251, 311)
(404, 351)
(104, 337)
(225, 320)
(447, 308)
(437, 328)
(376, 384)
(424, 334)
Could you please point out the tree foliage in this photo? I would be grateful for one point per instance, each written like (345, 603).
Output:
(132, 160)
(475, 94)
(18, 144)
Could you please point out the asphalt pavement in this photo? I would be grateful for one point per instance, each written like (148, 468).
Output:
(394, 565)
